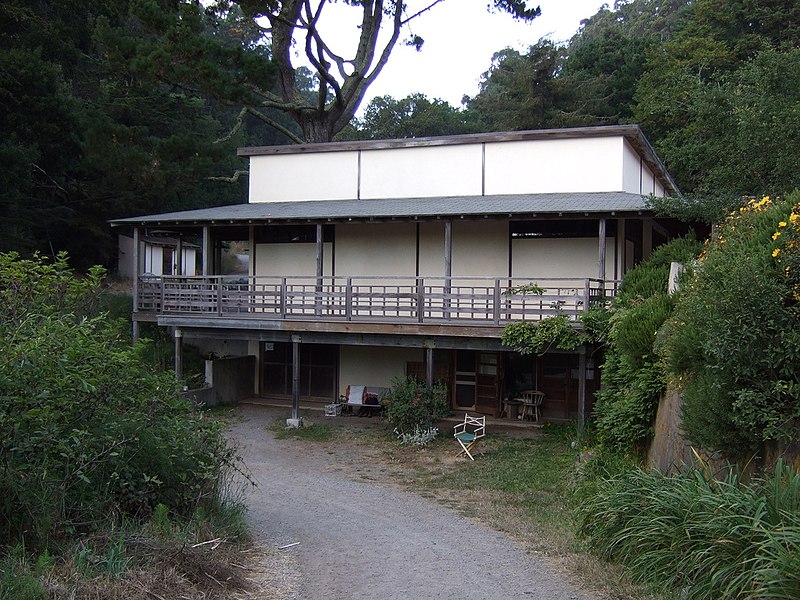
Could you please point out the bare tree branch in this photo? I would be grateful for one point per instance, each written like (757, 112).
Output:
(232, 179)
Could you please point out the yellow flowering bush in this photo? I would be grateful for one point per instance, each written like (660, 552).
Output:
(787, 251)
(733, 342)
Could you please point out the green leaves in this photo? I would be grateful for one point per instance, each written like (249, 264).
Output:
(733, 339)
(87, 431)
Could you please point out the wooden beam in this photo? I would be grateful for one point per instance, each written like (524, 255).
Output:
(179, 257)
(601, 250)
(448, 264)
(178, 335)
(295, 377)
(135, 288)
(319, 251)
(206, 268)
(429, 365)
(581, 388)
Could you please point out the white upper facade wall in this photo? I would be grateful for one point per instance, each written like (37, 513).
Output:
(596, 163)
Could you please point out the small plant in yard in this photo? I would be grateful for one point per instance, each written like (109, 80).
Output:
(419, 437)
(409, 404)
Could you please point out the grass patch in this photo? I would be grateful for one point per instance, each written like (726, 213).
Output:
(312, 432)
(519, 478)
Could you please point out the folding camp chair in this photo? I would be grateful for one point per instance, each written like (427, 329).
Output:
(468, 433)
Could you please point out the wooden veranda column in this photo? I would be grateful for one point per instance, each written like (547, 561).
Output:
(295, 377)
(320, 250)
(601, 250)
(179, 258)
(429, 365)
(178, 334)
(135, 289)
(448, 264)
(206, 250)
(581, 388)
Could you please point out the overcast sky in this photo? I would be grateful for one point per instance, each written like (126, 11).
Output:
(460, 39)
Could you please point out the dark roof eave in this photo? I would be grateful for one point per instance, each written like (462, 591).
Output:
(612, 205)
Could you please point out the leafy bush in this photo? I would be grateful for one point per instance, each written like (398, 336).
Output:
(734, 339)
(411, 405)
(87, 432)
(537, 338)
(633, 374)
(703, 537)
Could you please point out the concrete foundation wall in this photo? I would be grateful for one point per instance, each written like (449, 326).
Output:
(232, 381)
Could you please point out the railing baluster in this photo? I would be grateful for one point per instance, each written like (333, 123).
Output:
(496, 302)
(284, 310)
(348, 299)
(420, 300)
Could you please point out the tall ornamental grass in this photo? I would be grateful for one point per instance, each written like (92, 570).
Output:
(699, 536)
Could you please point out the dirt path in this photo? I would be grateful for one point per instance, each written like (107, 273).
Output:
(361, 539)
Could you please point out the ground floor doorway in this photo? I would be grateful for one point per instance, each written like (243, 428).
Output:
(477, 381)
(318, 377)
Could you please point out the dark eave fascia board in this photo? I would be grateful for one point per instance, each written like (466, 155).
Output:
(632, 133)
(512, 206)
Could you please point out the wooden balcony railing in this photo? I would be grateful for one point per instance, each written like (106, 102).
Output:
(475, 300)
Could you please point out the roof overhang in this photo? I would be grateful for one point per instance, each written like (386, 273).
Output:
(512, 206)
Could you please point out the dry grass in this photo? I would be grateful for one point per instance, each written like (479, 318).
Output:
(216, 570)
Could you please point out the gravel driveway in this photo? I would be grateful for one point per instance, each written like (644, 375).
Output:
(367, 540)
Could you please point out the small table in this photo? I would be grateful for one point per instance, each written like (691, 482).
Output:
(512, 408)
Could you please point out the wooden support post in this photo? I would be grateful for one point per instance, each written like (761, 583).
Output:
(581, 388)
(135, 289)
(448, 265)
(601, 251)
(420, 299)
(295, 377)
(179, 257)
(429, 364)
(496, 302)
(318, 290)
(206, 250)
(178, 335)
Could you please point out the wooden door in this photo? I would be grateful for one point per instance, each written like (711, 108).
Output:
(465, 381)
(487, 378)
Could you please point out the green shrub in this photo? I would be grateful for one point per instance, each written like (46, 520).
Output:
(410, 404)
(88, 433)
(734, 339)
(634, 376)
(703, 537)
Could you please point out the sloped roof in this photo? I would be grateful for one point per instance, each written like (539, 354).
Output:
(511, 206)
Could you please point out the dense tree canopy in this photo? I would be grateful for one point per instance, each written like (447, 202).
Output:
(277, 30)
(112, 109)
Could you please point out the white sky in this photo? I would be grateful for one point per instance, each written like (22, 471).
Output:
(460, 38)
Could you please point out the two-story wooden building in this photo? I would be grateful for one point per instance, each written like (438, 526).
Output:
(370, 260)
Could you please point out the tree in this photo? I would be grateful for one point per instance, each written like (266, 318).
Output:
(341, 82)
(413, 116)
(524, 91)
(715, 89)
(89, 134)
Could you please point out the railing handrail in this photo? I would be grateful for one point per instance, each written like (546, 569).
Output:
(489, 300)
(410, 278)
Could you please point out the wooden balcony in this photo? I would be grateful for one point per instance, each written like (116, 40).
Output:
(484, 301)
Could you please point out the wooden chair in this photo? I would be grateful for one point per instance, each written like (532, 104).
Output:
(531, 402)
(469, 434)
